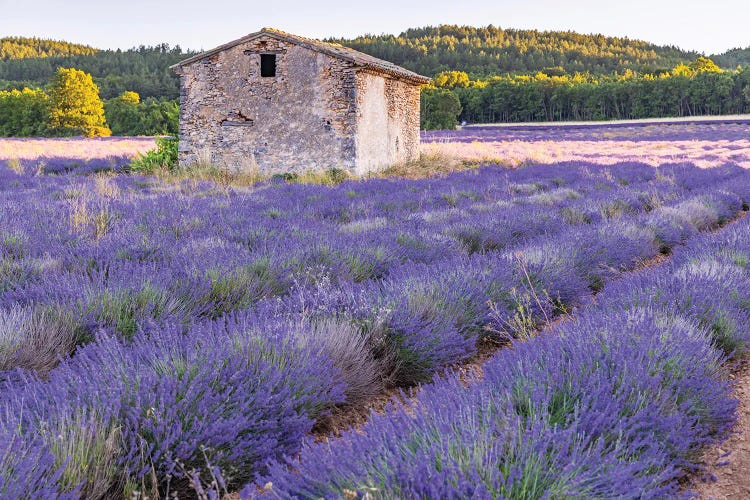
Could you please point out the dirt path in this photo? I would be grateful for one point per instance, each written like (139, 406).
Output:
(732, 473)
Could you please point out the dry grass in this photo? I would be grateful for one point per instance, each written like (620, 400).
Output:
(201, 171)
(85, 220)
(247, 176)
(15, 165)
(430, 164)
(105, 186)
(330, 177)
(476, 152)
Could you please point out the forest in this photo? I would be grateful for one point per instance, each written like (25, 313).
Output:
(144, 70)
(480, 75)
(138, 91)
(695, 89)
(488, 51)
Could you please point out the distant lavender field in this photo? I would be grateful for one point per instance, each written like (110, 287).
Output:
(73, 154)
(74, 147)
(701, 143)
(704, 144)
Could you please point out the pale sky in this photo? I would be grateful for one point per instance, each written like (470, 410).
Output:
(704, 26)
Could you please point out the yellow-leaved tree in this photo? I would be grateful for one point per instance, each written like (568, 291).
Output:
(74, 105)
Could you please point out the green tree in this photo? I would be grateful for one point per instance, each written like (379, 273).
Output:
(75, 106)
(490, 50)
(440, 109)
(143, 69)
(123, 114)
(128, 115)
(160, 117)
(23, 113)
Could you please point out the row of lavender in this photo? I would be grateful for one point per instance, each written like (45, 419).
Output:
(617, 402)
(171, 347)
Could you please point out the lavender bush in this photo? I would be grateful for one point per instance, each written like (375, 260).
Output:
(28, 469)
(238, 397)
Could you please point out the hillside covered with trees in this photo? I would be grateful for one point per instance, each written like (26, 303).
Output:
(25, 48)
(733, 58)
(144, 70)
(491, 50)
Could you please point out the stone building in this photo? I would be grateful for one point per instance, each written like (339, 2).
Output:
(285, 103)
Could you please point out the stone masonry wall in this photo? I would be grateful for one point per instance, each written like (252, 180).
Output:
(302, 119)
(387, 122)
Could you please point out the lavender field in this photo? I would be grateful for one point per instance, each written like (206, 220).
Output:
(74, 148)
(704, 144)
(72, 154)
(161, 338)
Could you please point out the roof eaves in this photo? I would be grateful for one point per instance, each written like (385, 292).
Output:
(403, 74)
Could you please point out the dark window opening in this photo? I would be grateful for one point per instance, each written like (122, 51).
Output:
(268, 65)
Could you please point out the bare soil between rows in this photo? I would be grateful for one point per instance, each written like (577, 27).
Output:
(727, 474)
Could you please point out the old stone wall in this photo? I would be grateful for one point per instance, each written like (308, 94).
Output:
(302, 119)
(387, 122)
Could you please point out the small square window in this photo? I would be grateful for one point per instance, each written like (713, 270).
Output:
(268, 65)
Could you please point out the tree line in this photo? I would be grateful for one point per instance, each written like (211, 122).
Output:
(144, 70)
(71, 105)
(698, 88)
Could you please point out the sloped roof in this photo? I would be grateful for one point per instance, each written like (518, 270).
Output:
(356, 57)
